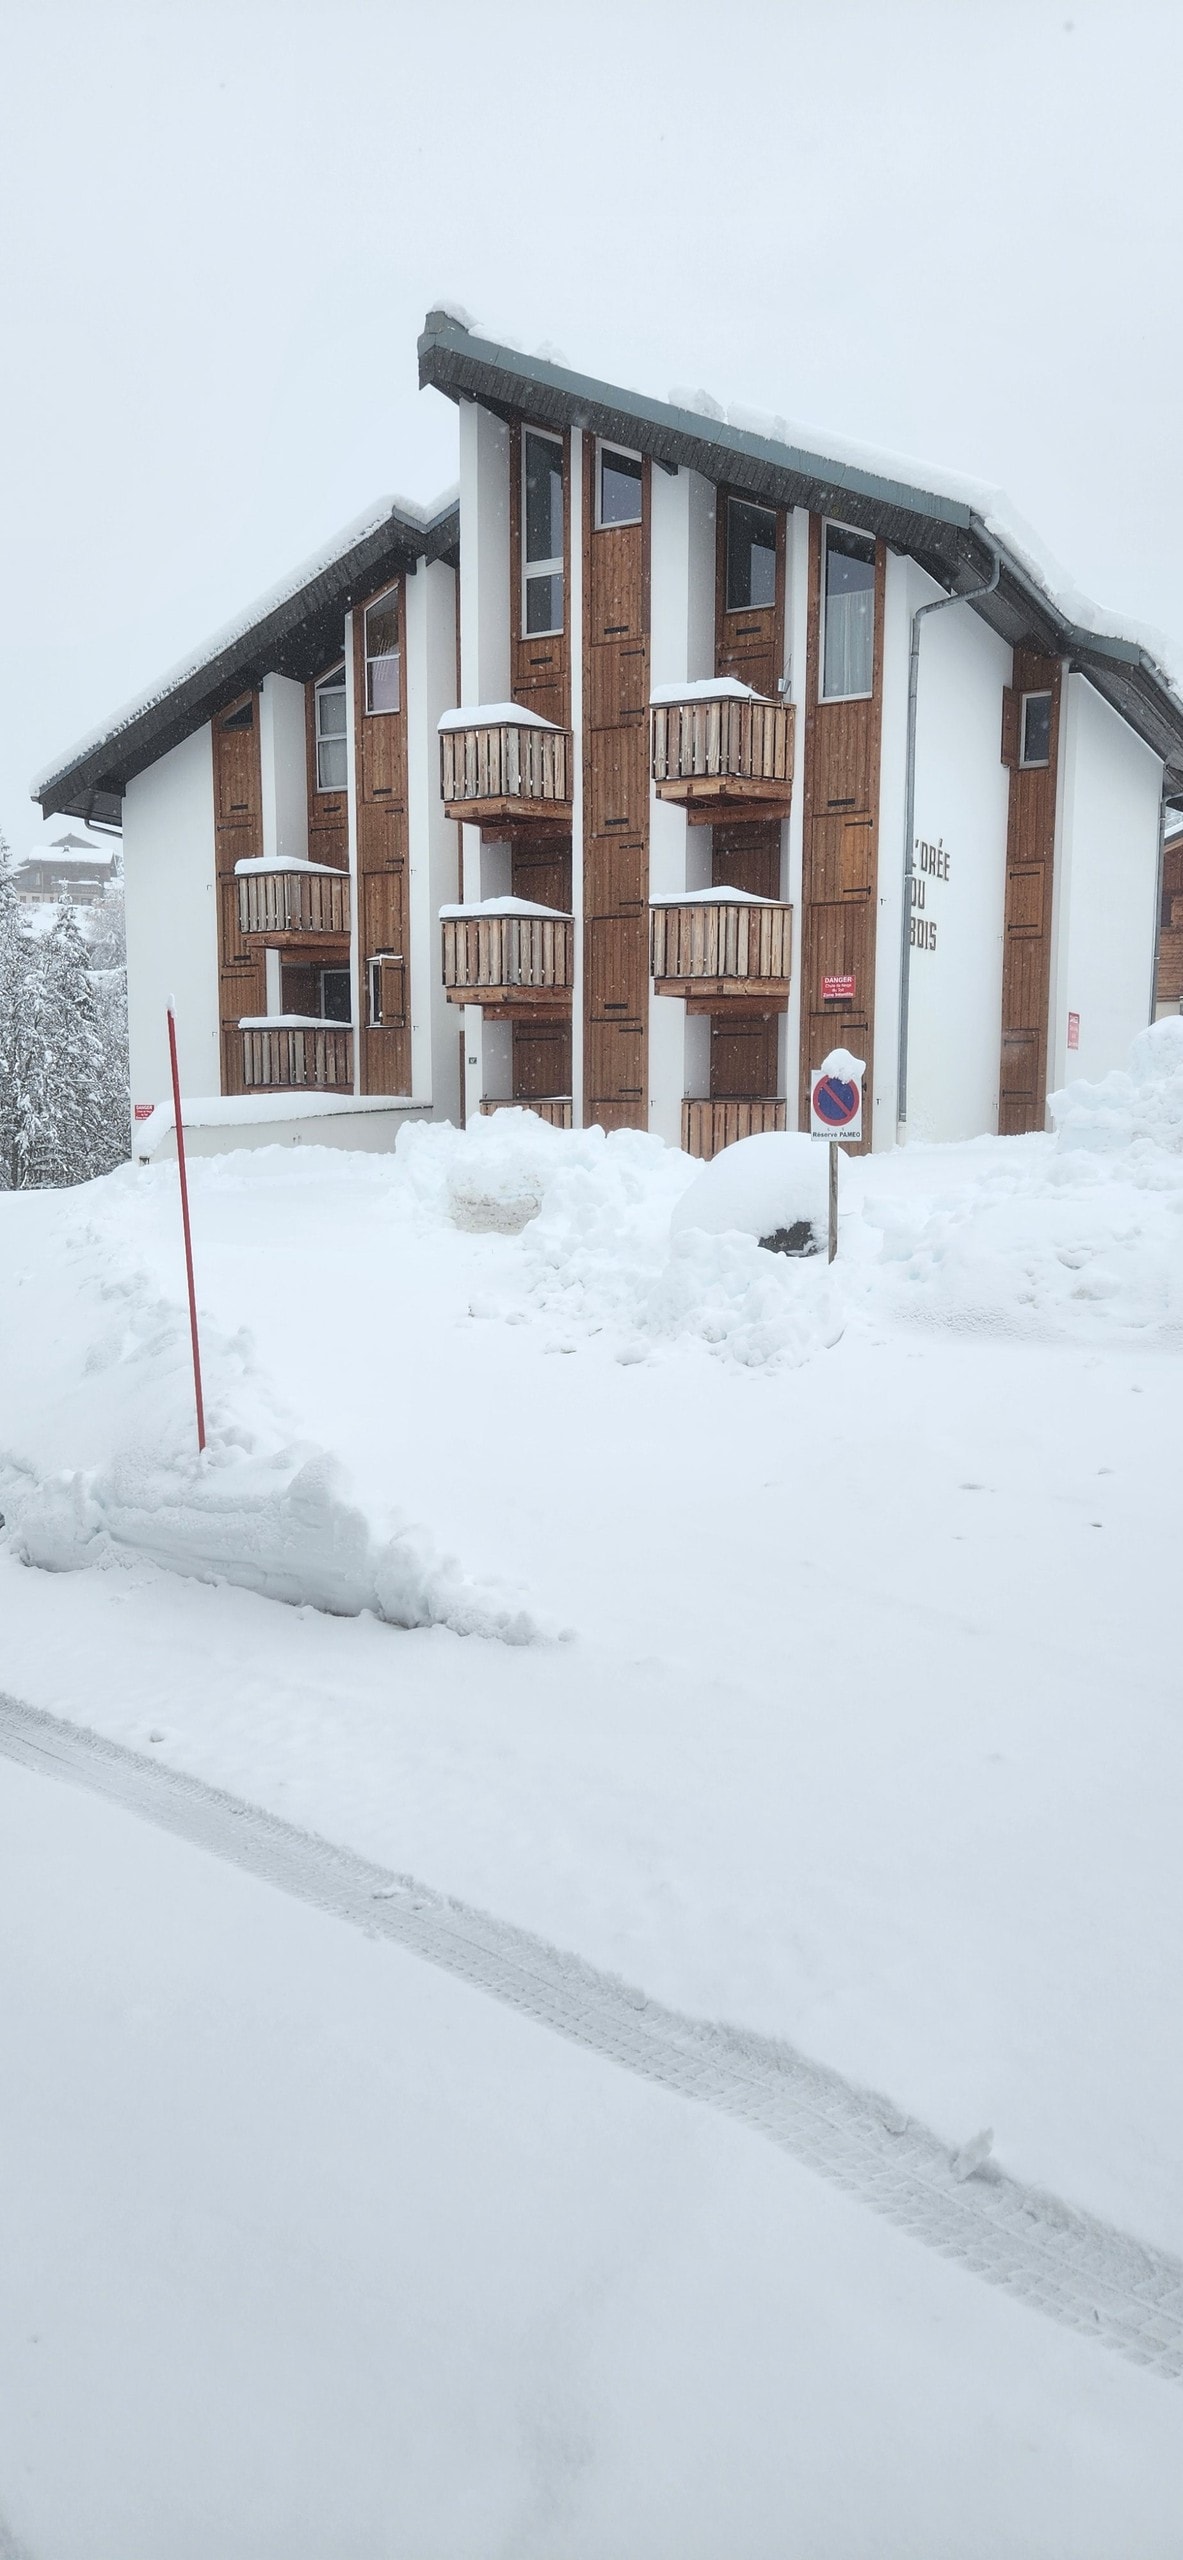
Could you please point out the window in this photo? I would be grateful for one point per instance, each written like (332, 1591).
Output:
(1036, 729)
(751, 557)
(383, 661)
(332, 746)
(848, 648)
(542, 546)
(243, 718)
(388, 1002)
(336, 996)
(618, 487)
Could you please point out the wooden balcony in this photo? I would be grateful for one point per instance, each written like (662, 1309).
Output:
(718, 948)
(293, 1056)
(308, 904)
(506, 774)
(509, 959)
(554, 1108)
(724, 757)
(707, 1127)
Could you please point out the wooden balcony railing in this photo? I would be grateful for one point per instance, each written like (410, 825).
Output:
(709, 1126)
(724, 756)
(500, 773)
(721, 947)
(519, 962)
(294, 905)
(554, 1108)
(290, 1056)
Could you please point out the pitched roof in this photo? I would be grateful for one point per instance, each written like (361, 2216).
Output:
(294, 630)
(954, 529)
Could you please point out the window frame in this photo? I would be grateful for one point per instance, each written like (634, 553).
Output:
(534, 569)
(1035, 764)
(327, 683)
(860, 531)
(737, 498)
(385, 710)
(335, 969)
(616, 524)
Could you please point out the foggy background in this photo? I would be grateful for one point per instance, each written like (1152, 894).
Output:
(949, 230)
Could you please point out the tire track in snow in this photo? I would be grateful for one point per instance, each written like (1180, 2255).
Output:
(1076, 2269)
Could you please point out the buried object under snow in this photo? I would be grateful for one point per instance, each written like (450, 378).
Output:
(771, 1187)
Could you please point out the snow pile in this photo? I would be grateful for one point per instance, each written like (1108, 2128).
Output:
(99, 1463)
(1138, 1107)
(764, 1186)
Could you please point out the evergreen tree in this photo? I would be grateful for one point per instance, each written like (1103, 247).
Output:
(64, 1107)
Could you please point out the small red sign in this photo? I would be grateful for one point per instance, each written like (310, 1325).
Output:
(1074, 1031)
(838, 990)
(144, 1110)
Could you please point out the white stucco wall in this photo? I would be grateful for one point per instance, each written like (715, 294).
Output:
(484, 657)
(1103, 952)
(431, 689)
(959, 888)
(284, 760)
(172, 928)
(681, 650)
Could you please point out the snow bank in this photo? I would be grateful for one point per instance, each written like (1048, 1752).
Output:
(1138, 1106)
(762, 1186)
(98, 1461)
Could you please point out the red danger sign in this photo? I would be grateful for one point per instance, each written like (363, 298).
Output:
(838, 990)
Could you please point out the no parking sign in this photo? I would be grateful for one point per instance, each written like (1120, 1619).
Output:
(836, 1098)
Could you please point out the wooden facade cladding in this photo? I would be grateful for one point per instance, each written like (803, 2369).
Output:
(1027, 937)
(709, 1126)
(499, 776)
(707, 951)
(1169, 984)
(313, 1057)
(508, 962)
(328, 811)
(615, 810)
(294, 907)
(750, 643)
(238, 837)
(840, 870)
(540, 664)
(383, 854)
(724, 759)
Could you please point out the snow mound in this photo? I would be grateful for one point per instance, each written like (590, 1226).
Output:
(1137, 1106)
(763, 1186)
(278, 1523)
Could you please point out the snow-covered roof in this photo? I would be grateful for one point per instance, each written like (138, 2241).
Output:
(289, 1022)
(955, 527)
(294, 628)
(493, 715)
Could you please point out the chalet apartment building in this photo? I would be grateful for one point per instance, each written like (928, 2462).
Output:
(665, 760)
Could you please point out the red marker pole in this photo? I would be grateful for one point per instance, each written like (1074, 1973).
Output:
(177, 1124)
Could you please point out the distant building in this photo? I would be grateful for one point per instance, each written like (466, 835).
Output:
(70, 864)
(637, 780)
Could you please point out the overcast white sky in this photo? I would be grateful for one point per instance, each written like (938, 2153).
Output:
(947, 227)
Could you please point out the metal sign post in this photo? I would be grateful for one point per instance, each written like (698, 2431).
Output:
(836, 1114)
(180, 1137)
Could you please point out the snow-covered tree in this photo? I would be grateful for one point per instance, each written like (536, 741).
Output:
(63, 1052)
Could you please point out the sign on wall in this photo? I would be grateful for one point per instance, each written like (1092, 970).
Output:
(838, 990)
(1074, 1031)
(930, 866)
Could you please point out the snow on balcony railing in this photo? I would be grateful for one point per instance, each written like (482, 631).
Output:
(718, 742)
(504, 949)
(292, 897)
(499, 761)
(720, 935)
(291, 1050)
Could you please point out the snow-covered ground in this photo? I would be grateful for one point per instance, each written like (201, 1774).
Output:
(800, 1644)
(308, 2250)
